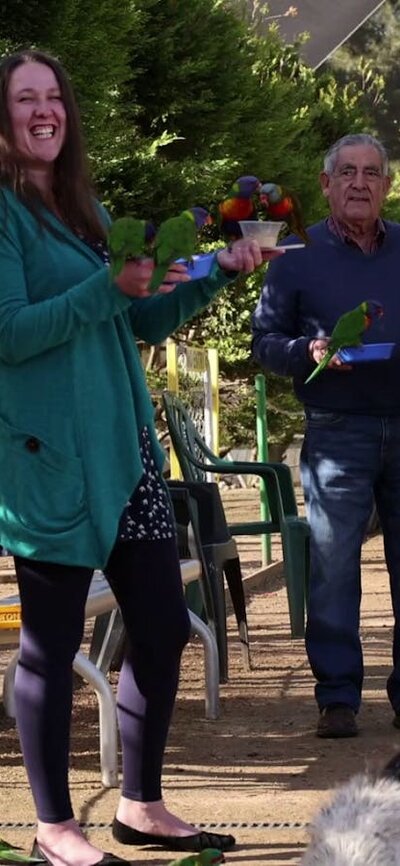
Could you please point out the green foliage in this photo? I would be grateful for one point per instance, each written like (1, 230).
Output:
(186, 76)
(22, 23)
(370, 59)
(226, 324)
(392, 205)
(285, 416)
(94, 45)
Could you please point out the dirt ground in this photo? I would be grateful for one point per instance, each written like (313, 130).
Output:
(259, 770)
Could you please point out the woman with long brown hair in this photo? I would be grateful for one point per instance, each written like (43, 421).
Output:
(80, 464)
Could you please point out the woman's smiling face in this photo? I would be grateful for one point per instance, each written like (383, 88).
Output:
(37, 113)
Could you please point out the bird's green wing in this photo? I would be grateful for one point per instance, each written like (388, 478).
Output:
(207, 857)
(347, 332)
(322, 364)
(211, 857)
(349, 328)
(175, 239)
(11, 854)
(126, 239)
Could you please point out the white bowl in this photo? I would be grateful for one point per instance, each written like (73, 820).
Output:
(266, 233)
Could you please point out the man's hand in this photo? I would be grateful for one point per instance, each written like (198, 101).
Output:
(317, 351)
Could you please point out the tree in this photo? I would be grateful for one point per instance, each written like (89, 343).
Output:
(91, 43)
(23, 23)
(371, 58)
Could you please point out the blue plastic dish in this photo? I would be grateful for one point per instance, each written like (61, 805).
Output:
(366, 352)
(200, 266)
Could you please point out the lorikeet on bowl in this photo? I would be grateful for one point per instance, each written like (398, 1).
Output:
(239, 204)
(278, 203)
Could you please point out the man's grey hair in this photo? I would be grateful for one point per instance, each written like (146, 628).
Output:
(361, 138)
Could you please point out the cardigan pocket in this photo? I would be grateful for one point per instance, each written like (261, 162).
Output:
(41, 488)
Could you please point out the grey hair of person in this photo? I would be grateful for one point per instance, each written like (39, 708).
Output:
(355, 140)
(360, 826)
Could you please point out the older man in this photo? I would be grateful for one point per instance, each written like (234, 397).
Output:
(351, 451)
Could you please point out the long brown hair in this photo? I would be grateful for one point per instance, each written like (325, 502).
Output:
(72, 188)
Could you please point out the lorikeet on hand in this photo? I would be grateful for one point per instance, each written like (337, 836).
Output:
(176, 239)
(278, 203)
(238, 205)
(207, 857)
(12, 854)
(128, 238)
(348, 331)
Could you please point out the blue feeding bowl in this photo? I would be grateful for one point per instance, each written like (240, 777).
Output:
(200, 266)
(366, 352)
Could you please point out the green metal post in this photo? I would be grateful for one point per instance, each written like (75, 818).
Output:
(262, 455)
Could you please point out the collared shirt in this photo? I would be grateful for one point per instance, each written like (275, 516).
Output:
(341, 231)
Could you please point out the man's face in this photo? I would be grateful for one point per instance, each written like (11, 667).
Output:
(357, 187)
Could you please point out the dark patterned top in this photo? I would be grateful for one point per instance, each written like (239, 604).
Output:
(147, 514)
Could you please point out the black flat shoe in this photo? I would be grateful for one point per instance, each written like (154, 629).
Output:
(106, 860)
(198, 842)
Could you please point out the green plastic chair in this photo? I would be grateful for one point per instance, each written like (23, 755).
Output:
(196, 460)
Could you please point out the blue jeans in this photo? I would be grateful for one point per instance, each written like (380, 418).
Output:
(347, 460)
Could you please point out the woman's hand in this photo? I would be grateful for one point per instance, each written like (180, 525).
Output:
(136, 274)
(246, 256)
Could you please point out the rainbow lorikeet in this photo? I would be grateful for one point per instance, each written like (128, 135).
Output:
(128, 238)
(238, 205)
(12, 854)
(277, 203)
(348, 331)
(207, 857)
(176, 239)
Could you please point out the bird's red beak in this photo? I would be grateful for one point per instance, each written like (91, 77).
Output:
(264, 199)
(209, 220)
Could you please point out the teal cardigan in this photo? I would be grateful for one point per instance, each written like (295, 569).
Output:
(73, 395)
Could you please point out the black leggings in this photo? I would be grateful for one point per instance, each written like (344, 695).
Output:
(145, 577)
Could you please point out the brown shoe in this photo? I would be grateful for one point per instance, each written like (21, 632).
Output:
(337, 720)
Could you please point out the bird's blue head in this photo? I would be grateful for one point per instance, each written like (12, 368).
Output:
(246, 186)
(201, 217)
(270, 192)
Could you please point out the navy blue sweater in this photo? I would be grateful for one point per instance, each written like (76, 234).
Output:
(304, 294)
